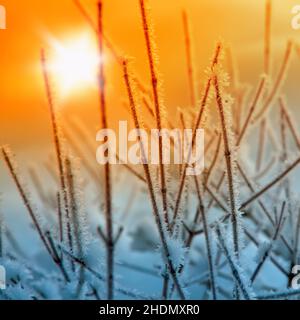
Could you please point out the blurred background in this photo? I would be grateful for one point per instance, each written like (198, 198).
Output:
(32, 25)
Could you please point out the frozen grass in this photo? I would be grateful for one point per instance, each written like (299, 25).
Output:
(173, 236)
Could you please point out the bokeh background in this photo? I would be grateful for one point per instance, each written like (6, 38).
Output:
(24, 120)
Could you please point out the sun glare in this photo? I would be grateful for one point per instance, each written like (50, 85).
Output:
(74, 64)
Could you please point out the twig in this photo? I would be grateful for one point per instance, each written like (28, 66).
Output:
(58, 147)
(150, 183)
(266, 169)
(278, 295)
(207, 241)
(275, 90)
(26, 201)
(245, 126)
(232, 264)
(262, 205)
(197, 124)
(214, 160)
(60, 218)
(157, 104)
(229, 168)
(274, 238)
(270, 184)
(261, 144)
(189, 58)
(251, 110)
(93, 25)
(107, 173)
(290, 122)
(57, 257)
(125, 291)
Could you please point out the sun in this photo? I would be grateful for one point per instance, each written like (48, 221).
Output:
(74, 64)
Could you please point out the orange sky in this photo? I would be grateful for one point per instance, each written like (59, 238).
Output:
(24, 121)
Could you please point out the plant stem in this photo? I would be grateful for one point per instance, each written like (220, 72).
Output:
(267, 253)
(58, 148)
(60, 218)
(207, 240)
(157, 104)
(251, 110)
(261, 144)
(275, 90)
(158, 221)
(26, 201)
(232, 265)
(245, 126)
(229, 168)
(189, 58)
(290, 122)
(107, 177)
(197, 124)
(270, 184)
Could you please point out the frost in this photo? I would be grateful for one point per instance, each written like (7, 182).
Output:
(197, 254)
(72, 291)
(262, 250)
(48, 288)
(177, 250)
(18, 292)
(15, 271)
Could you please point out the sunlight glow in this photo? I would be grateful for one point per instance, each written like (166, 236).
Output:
(74, 64)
